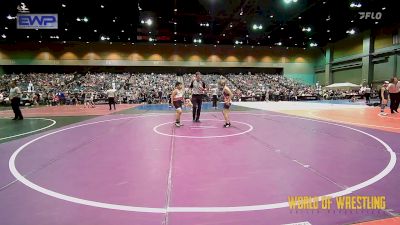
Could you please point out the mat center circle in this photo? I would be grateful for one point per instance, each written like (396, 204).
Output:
(208, 128)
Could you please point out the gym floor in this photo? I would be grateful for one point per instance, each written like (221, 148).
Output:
(70, 165)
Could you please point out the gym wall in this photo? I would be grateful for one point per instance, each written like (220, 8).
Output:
(296, 63)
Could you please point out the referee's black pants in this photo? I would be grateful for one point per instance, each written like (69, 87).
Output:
(397, 103)
(197, 101)
(214, 100)
(111, 101)
(15, 107)
(394, 102)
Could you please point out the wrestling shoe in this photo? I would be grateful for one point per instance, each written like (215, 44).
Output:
(227, 125)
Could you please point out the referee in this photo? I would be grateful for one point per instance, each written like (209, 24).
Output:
(15, 97)
(111, 97)
(394, 92)
(198, 87)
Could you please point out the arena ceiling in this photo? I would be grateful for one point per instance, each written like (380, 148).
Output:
(286, 23)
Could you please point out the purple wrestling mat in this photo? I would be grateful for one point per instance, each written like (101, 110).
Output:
(141, 169)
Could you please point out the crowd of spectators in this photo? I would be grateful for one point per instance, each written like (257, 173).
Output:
(74, 88)
(212, 83)
(58, 89)
(270, 87)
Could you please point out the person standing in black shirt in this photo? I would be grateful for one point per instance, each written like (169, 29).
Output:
(15, 98)
(384, 96)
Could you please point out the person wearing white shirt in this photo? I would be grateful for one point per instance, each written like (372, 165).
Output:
(30, 87)
(214, 93)
(15, 97)
(111, 94)
(367, 94)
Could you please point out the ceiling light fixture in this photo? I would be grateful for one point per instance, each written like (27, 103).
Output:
(351, 32)
(148, 21)
(355, 5)
(257, 27)
(103, 38)
(289, 1)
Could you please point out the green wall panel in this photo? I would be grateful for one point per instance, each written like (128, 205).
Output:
(303, 78)
(303, 72)
(398, 65)
(353, 75)
(348, 47)
(384, 70)
(320, 76)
